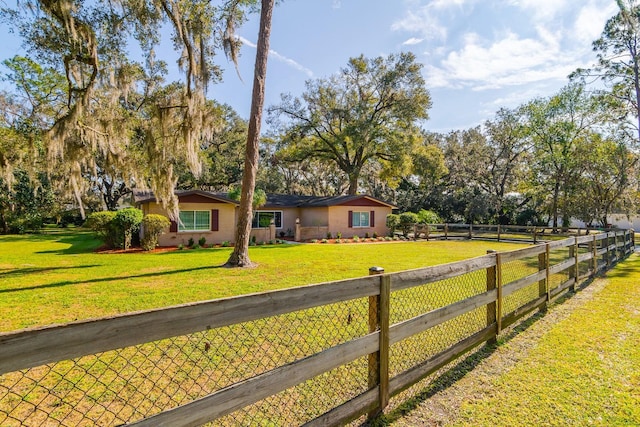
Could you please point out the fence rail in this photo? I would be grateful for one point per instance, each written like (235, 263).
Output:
(321, 354)
(533, 233)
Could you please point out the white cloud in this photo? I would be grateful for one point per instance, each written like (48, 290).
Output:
(412, 41)
(517, 97)
(446, 4)
(590, 21)
(281, 58)
(421, 21)
(542, 10)
(511, 60)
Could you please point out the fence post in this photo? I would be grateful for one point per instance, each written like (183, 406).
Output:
(573, 273)
(446, 230)
(426, 233)
(604, 244)
(379, 321)
(470, 231)
(594, 256)
(620, 249)
(492, 308)
(543, 265)
(535, 235)
(498, 232)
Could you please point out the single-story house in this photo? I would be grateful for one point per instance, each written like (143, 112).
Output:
(214, 216)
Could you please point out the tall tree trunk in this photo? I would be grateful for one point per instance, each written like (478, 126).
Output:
(554, 206)
(240, 255)
(353, 183)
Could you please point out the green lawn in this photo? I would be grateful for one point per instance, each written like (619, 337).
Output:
(56, 277)
(583, 371)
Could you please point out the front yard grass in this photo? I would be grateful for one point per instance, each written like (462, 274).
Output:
(575, 366)
(583, 371)
(57, 277)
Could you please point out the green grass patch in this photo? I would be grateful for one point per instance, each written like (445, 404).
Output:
(584, 371)
(57, 277)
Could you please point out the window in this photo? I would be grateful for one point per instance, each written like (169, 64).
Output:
(360, 219)
(262, 219)
(194, 221)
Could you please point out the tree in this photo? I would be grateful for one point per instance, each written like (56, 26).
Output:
(426, 180)
(618, 66)
(366, 113)
(609, 180)
(507, 144)
(222, 152)
(240, 255)
(116, 105)
(558, 127)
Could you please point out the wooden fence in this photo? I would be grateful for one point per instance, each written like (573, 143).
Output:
(499, 289)
(500, 232)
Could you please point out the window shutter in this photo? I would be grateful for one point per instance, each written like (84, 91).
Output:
(372, 222)
(215, 213)
(350, 219)
(173, 227)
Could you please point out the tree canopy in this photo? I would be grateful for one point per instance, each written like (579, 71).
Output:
(369, 112)
(115, 106)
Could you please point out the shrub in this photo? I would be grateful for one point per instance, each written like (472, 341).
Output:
(339, 235)
(102, 224)
(196, 246)
(271, 242)
(338, 240)
(356, 238)
(153, 225)
(202, 241)
(324, 241)
(253, 239)
(314, 240)
(180, 247)
(407, 221)
(25, 222)
(328, 235)
(393, 222)
(226, 244)
(190, 242)
(428, 217)
(374, 235)
(127, 221)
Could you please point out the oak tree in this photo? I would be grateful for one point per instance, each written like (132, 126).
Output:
(368, 112)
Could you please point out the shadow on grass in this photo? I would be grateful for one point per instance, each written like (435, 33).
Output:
(13, 272)
(451, 375)
(78, 244)
(107, 279)
(188, 251)
(467, 364)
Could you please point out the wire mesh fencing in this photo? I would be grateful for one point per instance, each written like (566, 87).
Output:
(135, 382)
(455, 306)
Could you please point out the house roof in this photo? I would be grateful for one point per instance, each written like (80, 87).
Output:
(274, 200)
(287, 200)
(147, 196)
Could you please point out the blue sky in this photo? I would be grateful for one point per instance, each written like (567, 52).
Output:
(478, 55)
